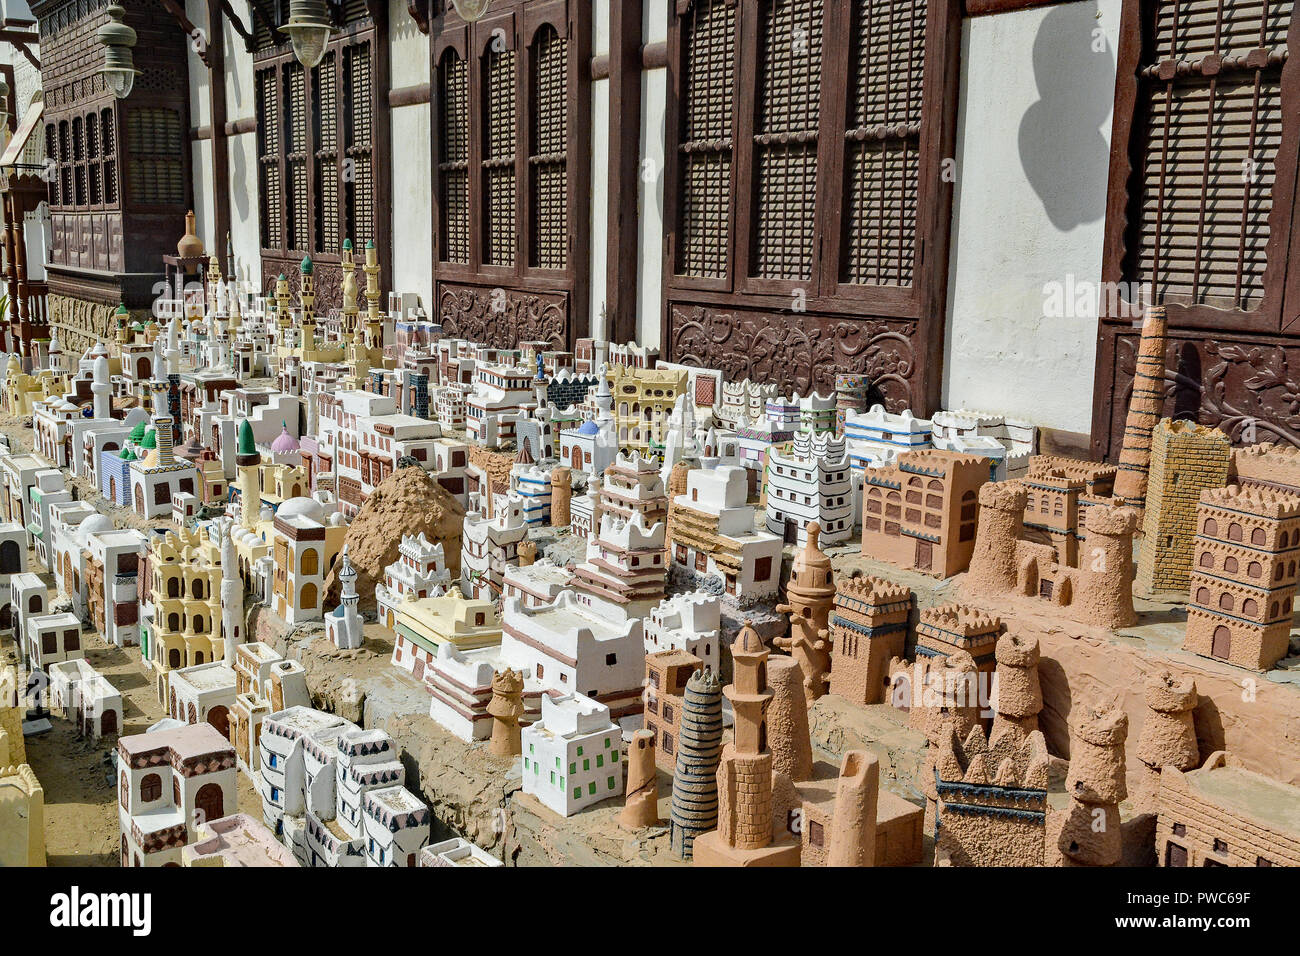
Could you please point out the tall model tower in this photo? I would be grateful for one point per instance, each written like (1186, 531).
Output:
(232, 592)
(247, 462)
(1143, 410)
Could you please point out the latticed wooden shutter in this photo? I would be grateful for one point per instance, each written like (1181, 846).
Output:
(94, 168)
(709, 44)
(156, 143)
(297, 201)
(499, 157)
(786, 137)
(79, 158)
(325, 81)
(108, 147)
(359, 131)
(882, 141)
(52, 152)
(268, 158)
(1199, 215)
(453, 159)
(548, 167)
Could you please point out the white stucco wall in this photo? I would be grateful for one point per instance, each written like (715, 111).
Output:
(412, 181)
(654, 94)
(599, 258)
(1033, 142)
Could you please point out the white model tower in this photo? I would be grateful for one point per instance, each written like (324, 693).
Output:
(348, 635)
(232, 592)
(102, 390)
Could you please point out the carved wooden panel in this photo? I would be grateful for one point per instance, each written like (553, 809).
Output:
(503, 317)
(802, 352)
(1249, 387)
(327, 279)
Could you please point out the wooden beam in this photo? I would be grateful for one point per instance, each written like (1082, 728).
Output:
(622, 223)
(178, 14)
(237, 22)
(409, 95)
(419, 11)
(22, 41)
(654, 56)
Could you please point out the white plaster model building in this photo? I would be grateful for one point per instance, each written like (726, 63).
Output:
(396, 826)
(572, 756)
(810, 482)
(499, 397)
(590, 639)
(343, 624)
(202, 693)
(713, 536)
(690, 622)
(265, 683)
(744, 401)
(876, 437)
(51, 639)
(533, 484)
(420, 571)
(1018, 437)
(537, 583)
(86, 698)
(171, 782)
(282, 777)
(593, 445)
(457, 852)
(489, 546)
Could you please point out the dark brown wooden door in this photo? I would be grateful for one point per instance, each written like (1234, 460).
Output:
(210, 801)
(1175, 855)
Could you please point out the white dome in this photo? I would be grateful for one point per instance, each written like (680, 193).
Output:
(94, 524)
(307, 507)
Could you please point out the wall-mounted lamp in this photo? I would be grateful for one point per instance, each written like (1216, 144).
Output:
(309, 29)
(119, 65)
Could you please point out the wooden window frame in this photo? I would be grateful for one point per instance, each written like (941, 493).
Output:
(835, 311)
(1226, 366)
(462, 288)
(284, 258)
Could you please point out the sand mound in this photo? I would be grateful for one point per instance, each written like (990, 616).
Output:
(407, 502)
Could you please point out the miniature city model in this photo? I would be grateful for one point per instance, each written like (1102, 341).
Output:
(416, 460)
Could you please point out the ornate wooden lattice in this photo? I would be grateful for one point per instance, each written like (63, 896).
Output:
(359, 126)
(155, 142)
(785, 138)
(1214, 129)
(709, 38)
(1202, 190)
(804, 185)
(326, 118)
(499, 157)
(269, 158)
(453, 158)
(296, 200)
(548, 156)
(321, 135)
(108, 129)
(882, 142)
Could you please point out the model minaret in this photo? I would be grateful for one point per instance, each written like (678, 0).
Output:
(247, 463)
(1143, 410)
(102, 390)
(811, 597)
(282, 316)
(307, 298)
(1168, 737)
(1019, 694)
(214, 284)
(744, 834)
(350, 632)
(232, 592)
(162, 424)
(695, 777)
(374, 323)
(539, 382)
(55, 355)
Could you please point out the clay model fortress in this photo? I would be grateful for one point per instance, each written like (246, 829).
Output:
(316, 566)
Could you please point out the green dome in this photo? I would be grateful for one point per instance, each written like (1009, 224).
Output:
(122, 310)
(246, 444)
(137, 433)
(137, 327)
(347, 244)
(306, 265)
(126, 454)
(150, 439)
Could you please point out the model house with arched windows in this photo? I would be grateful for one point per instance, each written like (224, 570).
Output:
(171, 782)
(920, 512)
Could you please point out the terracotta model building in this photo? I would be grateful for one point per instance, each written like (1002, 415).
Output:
(1224, 815)
(1005, 563)
(1186, 459)
(920, 511)
(868, 629)
(1087, 832)
(810, 595)
(1168, 735)
(744, 836)
(1243, 581)
(950, 627)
